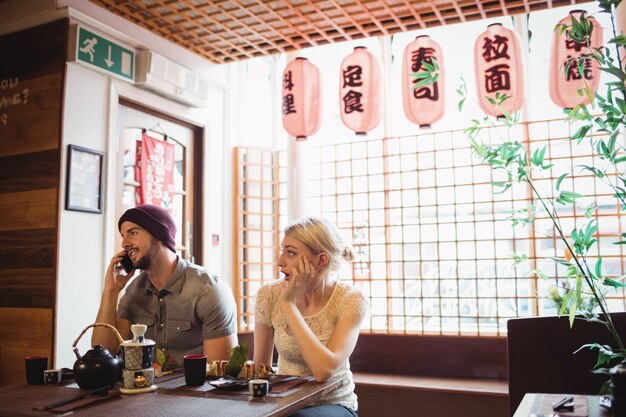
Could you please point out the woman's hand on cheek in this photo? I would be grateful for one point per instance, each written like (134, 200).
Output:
(301, 276)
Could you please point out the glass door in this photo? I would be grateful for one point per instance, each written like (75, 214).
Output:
(134, 121)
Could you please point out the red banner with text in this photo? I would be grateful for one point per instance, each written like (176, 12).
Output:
(154, 170)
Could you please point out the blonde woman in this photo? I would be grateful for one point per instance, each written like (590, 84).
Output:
(313, 318)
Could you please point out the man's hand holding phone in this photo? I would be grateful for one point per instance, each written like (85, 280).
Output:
(115, 279)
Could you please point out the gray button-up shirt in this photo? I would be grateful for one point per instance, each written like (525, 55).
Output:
(192, 307)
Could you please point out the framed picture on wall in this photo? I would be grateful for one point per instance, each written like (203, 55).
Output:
(84, 180)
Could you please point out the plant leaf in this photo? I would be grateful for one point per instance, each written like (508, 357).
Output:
(612, 283)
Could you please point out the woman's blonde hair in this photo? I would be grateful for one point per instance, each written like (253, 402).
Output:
(320, 235)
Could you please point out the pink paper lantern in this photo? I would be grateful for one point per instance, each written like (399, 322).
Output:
(564, 86)
(422, 105)
(499, 69)
(302, 93)
(359, 91)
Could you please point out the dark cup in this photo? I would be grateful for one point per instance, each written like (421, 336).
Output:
(35, 367)
(195, 369)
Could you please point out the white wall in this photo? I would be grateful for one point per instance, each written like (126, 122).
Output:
(81, 235)
(217, 186)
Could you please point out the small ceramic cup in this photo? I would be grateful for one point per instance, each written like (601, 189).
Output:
(259, 387)
(52, 376)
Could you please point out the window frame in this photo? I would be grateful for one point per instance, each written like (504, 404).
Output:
(537, 133)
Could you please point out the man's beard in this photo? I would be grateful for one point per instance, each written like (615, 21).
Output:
(145, 262)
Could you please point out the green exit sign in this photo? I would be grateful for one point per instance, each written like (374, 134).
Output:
(104, 54)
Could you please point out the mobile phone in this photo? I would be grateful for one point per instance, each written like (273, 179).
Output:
(127, 264)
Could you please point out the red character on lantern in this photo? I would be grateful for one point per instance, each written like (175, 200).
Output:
(499, 71)
(423, 105)
(359, 92)
(565, 85)
(301, 98)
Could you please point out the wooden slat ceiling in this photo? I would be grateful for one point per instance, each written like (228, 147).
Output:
(230, 30)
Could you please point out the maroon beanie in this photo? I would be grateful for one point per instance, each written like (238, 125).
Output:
(156, 220)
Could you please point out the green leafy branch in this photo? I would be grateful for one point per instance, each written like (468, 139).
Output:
(512, 159)
(511, 162)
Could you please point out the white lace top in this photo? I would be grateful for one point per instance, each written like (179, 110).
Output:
(345, 299)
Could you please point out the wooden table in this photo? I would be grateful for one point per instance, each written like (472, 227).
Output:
(532, 403)
(172, 398)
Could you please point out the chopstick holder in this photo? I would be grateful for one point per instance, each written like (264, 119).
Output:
(545, 402)
(564, 404)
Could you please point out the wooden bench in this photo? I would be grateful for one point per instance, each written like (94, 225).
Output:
(427, 376)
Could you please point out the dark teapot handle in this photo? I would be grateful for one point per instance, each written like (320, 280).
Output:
(119, 337)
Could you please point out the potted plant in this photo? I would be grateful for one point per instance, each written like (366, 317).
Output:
(599, 126)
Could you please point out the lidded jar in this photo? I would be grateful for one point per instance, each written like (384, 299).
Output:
(138, 352)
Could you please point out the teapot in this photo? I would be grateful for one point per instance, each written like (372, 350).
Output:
(97, 368)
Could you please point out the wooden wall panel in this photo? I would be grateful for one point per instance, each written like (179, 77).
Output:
(35, 52)
(28, 248)
(377, 402)
(27, 287)
(23, 332)
(36, 209)
(32, 74)
(36, 170)
(39, 97)
(436, 355)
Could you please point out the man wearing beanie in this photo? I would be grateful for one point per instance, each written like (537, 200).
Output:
(186, 309)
